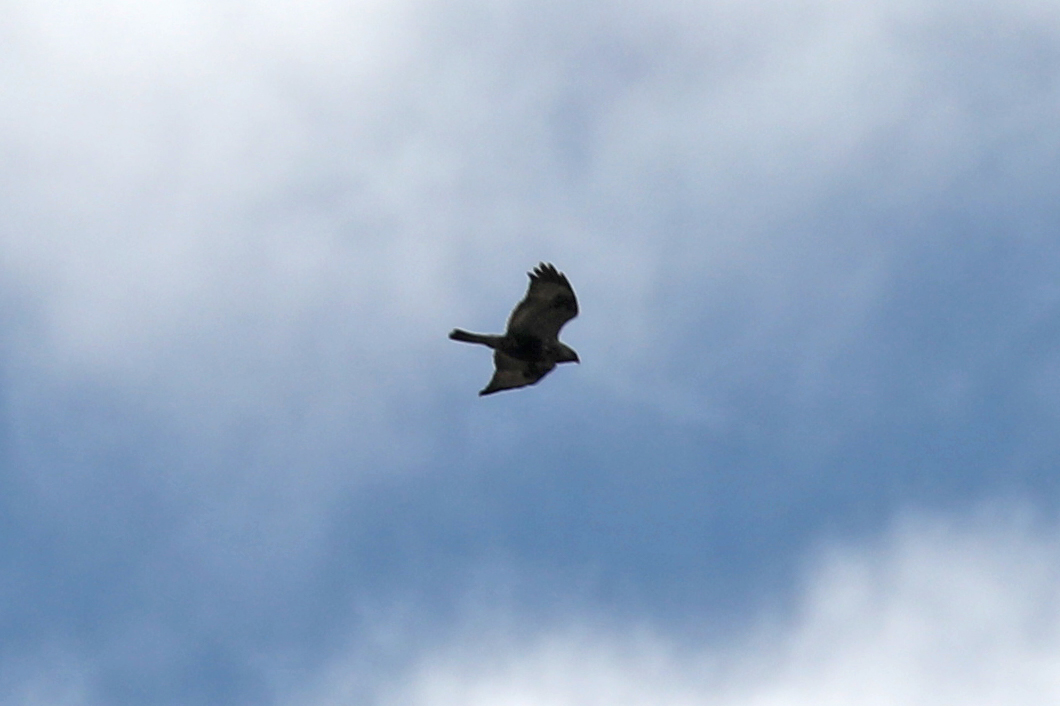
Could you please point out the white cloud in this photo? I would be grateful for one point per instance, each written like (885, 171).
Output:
(274, 212)
(934, 613)
(266, 216)
(194, 187)
(173, 169)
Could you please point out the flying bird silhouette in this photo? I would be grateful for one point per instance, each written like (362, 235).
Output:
(530, 347)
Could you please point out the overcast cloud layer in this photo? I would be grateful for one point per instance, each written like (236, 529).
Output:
(810, 455)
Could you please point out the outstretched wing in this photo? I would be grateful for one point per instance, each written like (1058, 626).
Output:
(549, 303)
(512, 372)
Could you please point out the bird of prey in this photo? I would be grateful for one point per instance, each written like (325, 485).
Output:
(530, 347)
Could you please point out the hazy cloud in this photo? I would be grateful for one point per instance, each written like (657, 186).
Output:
(935, 612)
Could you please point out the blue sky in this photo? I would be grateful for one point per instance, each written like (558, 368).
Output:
(809, 457)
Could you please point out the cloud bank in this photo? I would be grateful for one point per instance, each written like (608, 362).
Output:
(933, 613)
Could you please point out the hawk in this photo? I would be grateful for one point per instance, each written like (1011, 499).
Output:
(530, 348)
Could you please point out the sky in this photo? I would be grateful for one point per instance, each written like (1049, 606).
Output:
(809, 456)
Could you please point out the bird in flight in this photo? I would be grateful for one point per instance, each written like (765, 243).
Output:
(530, 347)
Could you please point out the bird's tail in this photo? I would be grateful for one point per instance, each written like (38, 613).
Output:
(468, 337)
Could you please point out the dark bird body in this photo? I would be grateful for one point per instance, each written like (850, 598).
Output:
(530, 347)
